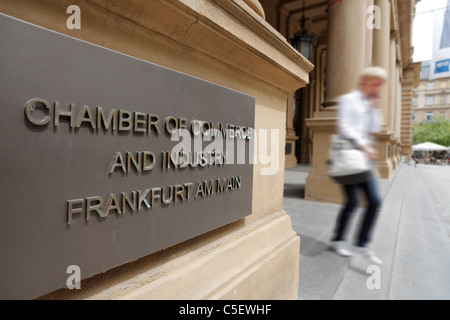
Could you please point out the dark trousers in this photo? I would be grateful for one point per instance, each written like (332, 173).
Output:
(370, 190)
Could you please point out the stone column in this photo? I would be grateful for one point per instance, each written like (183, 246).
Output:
(381, 51)
(392, 88)
(381, 58)
(406, 117)
(392, 83)
(346, 45)
(398, 109)
(291, 137)
(369, 38)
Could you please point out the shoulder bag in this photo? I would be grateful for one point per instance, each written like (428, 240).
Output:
(347, 164)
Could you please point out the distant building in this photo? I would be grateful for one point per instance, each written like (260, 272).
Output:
(431, 97)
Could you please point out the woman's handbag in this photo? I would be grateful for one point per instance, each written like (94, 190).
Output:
(347, 164)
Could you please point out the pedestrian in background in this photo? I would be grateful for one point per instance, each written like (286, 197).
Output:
(358, 119)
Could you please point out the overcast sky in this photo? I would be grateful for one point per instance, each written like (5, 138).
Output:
(423, 28)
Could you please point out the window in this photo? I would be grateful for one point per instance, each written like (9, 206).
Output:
(430, 85)
(442, 99)
(430, 101)
(429, 116)
(414, 102)
(414, 117)
(443, 84)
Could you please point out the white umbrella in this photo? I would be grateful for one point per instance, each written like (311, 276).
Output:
(429, 146)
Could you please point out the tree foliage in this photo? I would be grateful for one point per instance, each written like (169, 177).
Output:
(436, 131)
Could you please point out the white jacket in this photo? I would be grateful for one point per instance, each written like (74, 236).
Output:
(357, 118)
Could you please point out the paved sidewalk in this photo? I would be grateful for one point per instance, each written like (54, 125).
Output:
(412, 237)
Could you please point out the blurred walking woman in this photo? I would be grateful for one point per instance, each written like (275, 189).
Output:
(358, 119)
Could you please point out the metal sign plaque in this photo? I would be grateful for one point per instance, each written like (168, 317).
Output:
(107, 158)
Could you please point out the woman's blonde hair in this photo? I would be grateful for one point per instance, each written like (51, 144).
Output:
(373, 73)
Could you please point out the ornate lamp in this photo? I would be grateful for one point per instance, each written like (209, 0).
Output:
(303, 42)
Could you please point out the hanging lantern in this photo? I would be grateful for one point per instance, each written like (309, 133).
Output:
(303, 41)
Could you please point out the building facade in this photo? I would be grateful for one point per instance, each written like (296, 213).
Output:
(220, 46)
(431, 97)
(350, 35)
